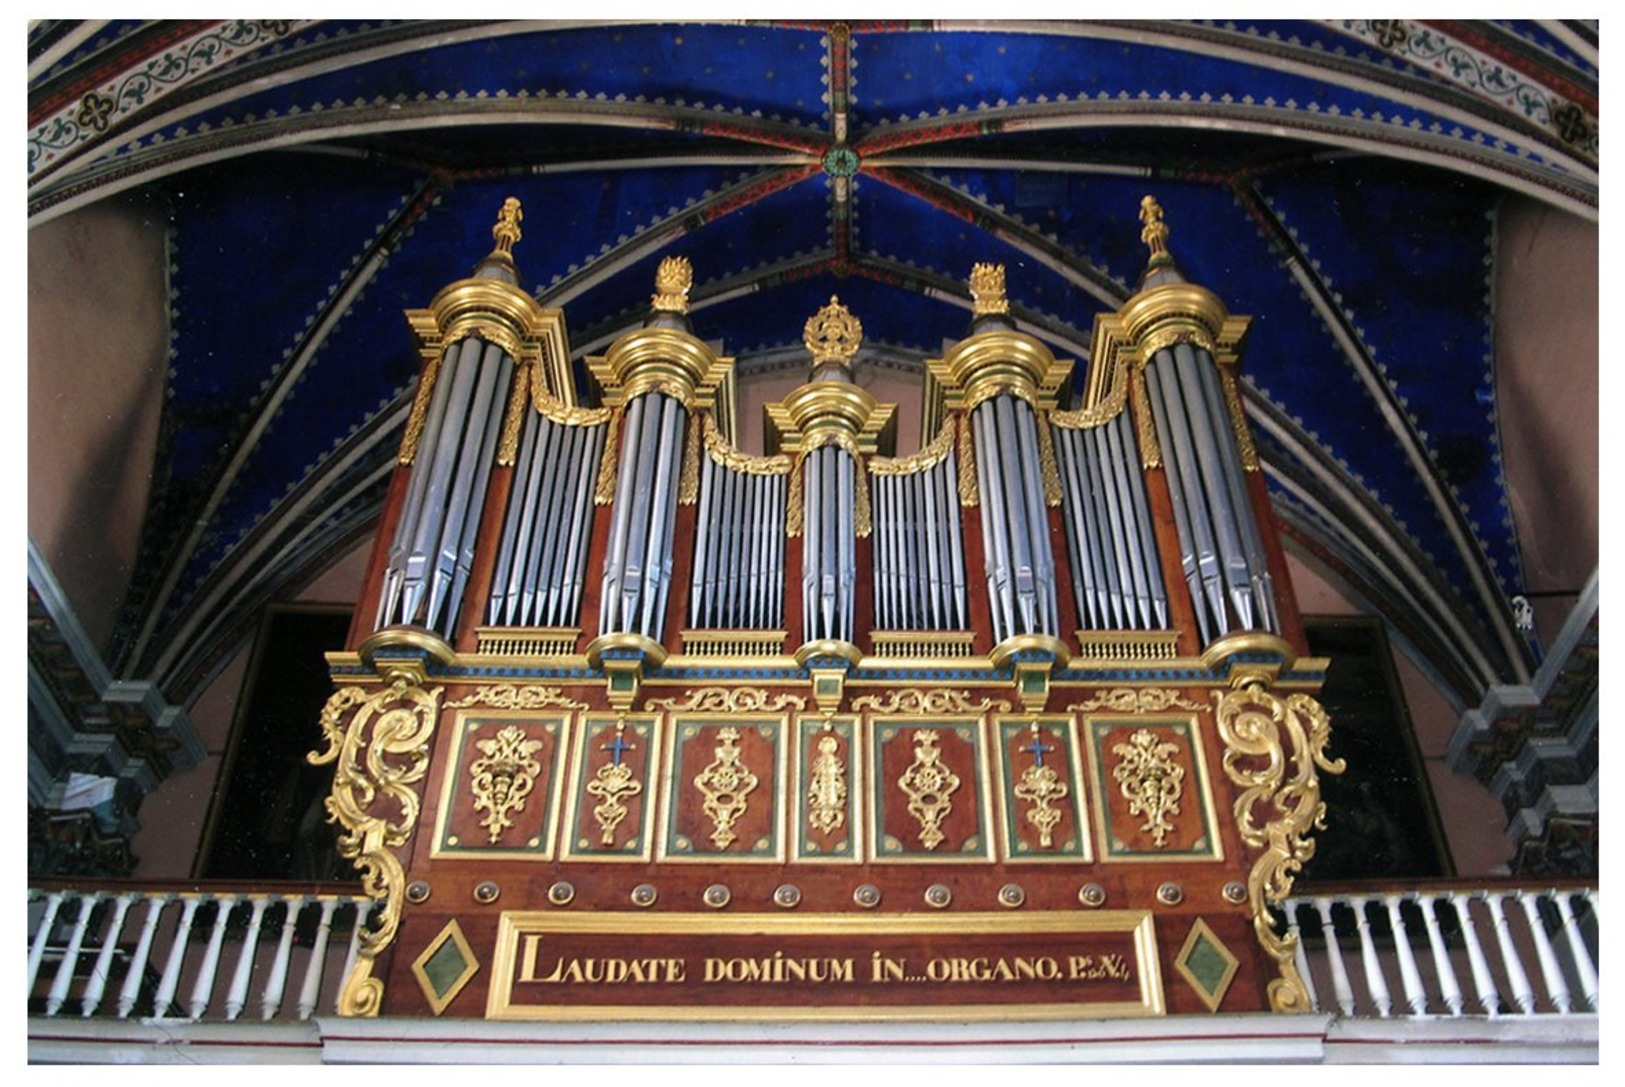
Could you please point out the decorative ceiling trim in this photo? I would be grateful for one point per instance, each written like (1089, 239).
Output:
(1078, 271)
(329, 315)
(1441, 99)
(1469, 549)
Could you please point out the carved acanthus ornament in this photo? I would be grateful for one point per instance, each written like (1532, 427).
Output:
(503, 777)
(918, 700)
(826, 796)
(509, 696)
(612, 783)
(729, 700)
(1151, 781)
(929, 786)
(1132, 700)
(378, 758)
(726, 784)
(1279, 803)
(1041, 787)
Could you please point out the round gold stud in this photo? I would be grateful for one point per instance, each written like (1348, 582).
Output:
(937, 896)
(717, 896)
(787, 895)
(1092, 895)
(1170, 894)
(561, 893)
(486, 892)
(1011, 896)
(1235, 892)
(867, 896)
(644, 894)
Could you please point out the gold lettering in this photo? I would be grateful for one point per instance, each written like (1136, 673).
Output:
(884, 969)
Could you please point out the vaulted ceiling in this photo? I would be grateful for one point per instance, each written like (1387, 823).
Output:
(1338, 181)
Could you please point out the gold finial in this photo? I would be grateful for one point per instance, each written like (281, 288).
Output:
(672, 281)
(506, 230)
(833, 334)
(987, 289)
(1155, 234)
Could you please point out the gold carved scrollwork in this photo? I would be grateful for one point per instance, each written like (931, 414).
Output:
(504, 776)
(1130, 700)
(727, 784)
(918, 700)
(1151, 781)
(729, 700)
(1238, 419)
(420, 410)
(509, 696)
(514, 420)
(688, 483)
(1150, 449)
(378, 758)
(604, 492)
(1041, 786)
(1272, 748)
(928, 457)
(612, 783)
(1050, 471)
(970, 489)
(826, 796)
(929, 786)
(728, 457)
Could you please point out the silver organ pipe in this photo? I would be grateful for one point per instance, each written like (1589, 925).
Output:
(919, 550)
(1222, 551)
(737, 581)
(1116, 575)
(538, 579)
(637, 569)
(432, 554)
(1021, 565)
(829, 562)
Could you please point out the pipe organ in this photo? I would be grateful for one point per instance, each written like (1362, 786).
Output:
(637, 725)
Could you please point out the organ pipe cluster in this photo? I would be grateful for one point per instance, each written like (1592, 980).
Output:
(495, 415)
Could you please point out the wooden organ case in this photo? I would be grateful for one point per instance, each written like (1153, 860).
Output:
(635, 725)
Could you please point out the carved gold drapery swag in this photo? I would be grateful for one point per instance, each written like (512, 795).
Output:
(1272, 748)
(378, 758)
(861, 521)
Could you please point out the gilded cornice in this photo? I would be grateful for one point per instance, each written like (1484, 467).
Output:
(996, 361)
(830, 406)
(665, 360)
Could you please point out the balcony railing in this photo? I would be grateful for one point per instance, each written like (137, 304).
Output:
(220, 954)
(1449, 950)
(152, 952)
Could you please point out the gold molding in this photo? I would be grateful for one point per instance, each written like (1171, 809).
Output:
(510, 696)
(729, 700)
(996, 361)
(915, 700)
(378, 758)
(1275, 811)
(665, 360)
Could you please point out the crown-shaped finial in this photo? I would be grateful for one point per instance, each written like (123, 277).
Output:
(672, 281)
(1155, 232)
(833, 334)
(987, 289)
(506, 230)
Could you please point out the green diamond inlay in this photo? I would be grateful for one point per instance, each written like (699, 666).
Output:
(1207, 965)
(445, 966)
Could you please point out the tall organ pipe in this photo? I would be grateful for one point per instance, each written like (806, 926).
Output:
(637, 569)
(1022, 573)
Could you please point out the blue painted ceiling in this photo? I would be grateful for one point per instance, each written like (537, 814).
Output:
(1338, 181)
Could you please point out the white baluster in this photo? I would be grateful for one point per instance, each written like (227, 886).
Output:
(1300, 958)
(1557, 987)
(1577, 950)
(203, 986)
(1376, 984)
(1489, 998)
(363, 908)
(70, 957)
(177, 953)
(138, 962)
(1409, 976)
(1523, 993)
(318, 956)
(97, 983)
(36, 951)
(237, 996)
(1334, 958)
(271, 1002)
(1441, 954)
